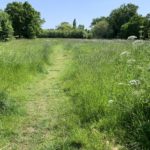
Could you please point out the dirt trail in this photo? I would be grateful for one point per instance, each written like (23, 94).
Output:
(45, 108)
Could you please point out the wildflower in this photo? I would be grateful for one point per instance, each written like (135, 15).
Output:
(132, 37)
(135, 82)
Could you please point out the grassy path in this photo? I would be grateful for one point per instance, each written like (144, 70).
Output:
(46, 109)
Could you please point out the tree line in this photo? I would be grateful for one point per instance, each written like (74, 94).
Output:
(121, 23)
(21, 20)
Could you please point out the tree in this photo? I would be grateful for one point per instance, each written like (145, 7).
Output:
(132, 27)
(81, 27)
(6, 30)
(101, 29)
(26, 21)
(96, 20)
(121, 16)
(74, 24)
(64, 26)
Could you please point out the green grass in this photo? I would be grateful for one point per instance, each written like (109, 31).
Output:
(109, 82)
(21, 62)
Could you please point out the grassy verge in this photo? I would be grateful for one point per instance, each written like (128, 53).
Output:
(108, 82)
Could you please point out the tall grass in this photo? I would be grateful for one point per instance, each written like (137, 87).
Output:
(20, 61)
(109, 82)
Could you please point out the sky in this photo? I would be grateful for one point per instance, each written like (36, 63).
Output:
(56, 11)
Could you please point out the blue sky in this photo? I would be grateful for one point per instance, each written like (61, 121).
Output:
(56, 11)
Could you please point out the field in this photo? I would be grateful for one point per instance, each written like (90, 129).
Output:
(63, 94)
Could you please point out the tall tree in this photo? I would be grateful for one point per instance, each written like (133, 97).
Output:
(132, 27)
(64, 26)
(96, 20)
(26, 20)
(120, 16)
(6, 30)
(101, 29)
(74, 24)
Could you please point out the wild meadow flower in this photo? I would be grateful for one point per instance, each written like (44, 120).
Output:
(135, 82)
(132, 37)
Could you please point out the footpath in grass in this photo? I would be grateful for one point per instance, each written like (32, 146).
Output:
(46, 109)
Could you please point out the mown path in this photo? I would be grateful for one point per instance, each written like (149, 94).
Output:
(46, 109)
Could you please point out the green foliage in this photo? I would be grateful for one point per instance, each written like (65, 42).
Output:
(6, 30)
(96, 20)
(81, 27)
(22, 61)
(101, 29)
(64, 34)
(74, 24)
(64, 26)
(132, 27)
(109, 85)
(120, 16)
(122, 23)
(26, 20)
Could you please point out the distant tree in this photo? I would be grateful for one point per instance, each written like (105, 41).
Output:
(26, 21)
(6, 30)
(132, 27)
(64, 26)
(33, 21)
(96, 20)
(74, 24)
(81, 27)
(101, 29)
(121, 16)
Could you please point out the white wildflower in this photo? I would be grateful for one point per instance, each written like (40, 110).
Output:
(135, 82)
(132, 37)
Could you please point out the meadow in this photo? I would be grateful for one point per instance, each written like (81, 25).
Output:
(21, 62)
(102, 88)
(108, 82)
